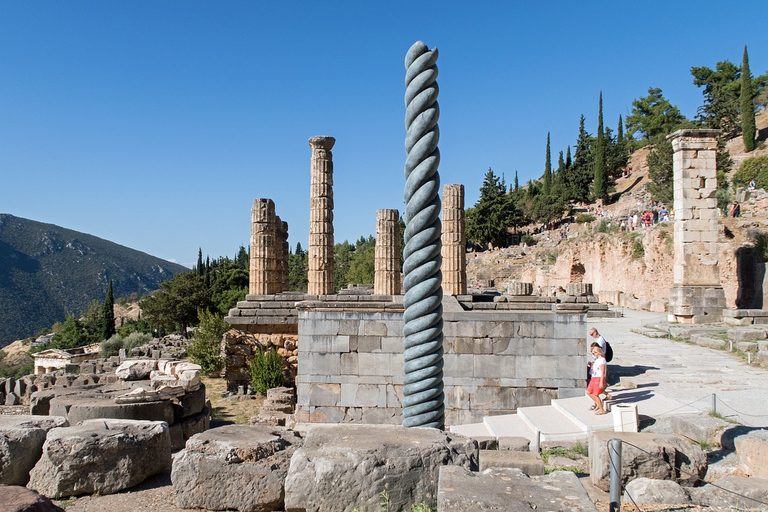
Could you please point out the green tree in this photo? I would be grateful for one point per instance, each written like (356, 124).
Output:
(108, 314)
(205, 348)
(487, 221)
(721, 95)
(548, 169)
(71, 335)
(298, 270)
(653, 116)
(600, 182)
(660, 172)
(200, 267)
(748, 127)
(362, 268)
(176, 303)
(580, 173)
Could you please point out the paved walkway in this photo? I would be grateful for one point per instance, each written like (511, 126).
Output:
(687, 373)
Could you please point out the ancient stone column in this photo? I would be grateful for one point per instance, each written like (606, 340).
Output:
(696, 295)
(321, 217)
(285, 251)
(264, 259)
(454, 250)
(386, 280)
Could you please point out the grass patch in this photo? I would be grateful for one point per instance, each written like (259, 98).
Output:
(235, 409)
(574, 452)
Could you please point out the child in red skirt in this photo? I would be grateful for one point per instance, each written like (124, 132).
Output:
(596, 386)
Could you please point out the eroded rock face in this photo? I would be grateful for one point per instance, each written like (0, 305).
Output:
(101, 456)
(647, 455)
(732, 492)
(234, 467)
(342, 467)
(21, 445)
(646, 490)
(509, 489)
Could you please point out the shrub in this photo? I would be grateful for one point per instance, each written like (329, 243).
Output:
(266, 370)
(528, 240)
(750, 169)
(205, 349)
(135, 339)
(583, 218)
(111, 347)
(604, 226)
(552, 258)
(638, 249)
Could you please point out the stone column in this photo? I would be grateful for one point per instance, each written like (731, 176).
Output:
(696, 295)
(321, 217)
(263, 262)
(386, 279)
(285, 251)
(454, 250)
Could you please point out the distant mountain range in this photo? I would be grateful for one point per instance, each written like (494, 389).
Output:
(48, 272)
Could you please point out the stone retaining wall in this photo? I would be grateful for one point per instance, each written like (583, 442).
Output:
(351, 364)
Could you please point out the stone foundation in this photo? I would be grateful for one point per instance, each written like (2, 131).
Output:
(696, 304)
(351, 360)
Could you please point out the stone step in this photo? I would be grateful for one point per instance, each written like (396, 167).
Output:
(509, 425)
(552, 424)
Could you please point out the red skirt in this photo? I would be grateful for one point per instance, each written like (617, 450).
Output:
(593, 388)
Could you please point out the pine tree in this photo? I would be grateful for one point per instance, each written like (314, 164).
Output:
(200, 268)
(108, 314)
(600, 183)
(560, 172)
(620, 132)
(548, 170)
(517, 183)
(748, 128)
(568, 161)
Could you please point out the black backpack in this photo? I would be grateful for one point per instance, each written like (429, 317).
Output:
(608, 352)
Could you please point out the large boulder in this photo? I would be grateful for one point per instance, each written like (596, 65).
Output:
(343, 467)
(733, 492)
(21, 445)
(752, 449)
(101, 456)
(238, 467)
(511, 490)
(136, 369)
(656, 456)
(21, 499)
(647, 490)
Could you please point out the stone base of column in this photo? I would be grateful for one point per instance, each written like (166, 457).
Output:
(696, 304)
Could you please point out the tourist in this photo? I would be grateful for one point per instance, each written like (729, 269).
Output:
(752, 184)
(598, 374)
(736, 210)
(600, 342)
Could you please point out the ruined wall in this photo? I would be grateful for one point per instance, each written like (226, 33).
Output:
(239, 347)
(351, 363)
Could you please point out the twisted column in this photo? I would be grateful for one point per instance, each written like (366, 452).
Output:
(454, 241)
(321, 217)
(386, 280)
(423, 403)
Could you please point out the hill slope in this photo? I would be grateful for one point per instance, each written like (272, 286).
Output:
(48, 272)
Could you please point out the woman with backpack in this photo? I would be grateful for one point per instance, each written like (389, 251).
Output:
(607, 351)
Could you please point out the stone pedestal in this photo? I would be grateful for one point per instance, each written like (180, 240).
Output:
(454, 240)
(387, 258)
(321, 217)
(519, 288)
(696, 295)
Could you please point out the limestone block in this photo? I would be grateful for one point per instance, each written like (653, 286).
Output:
(706, 341)
(21, 445)
(20, 499)
(747, 334)
(656, 456)
(460, 490)
(514, 443)
(234, 467)
(732, 492)
(700, 429)
(101, 456)
(344, 465)
(746, 346)
(519, 288)
(648, 490)
(528, 462)
(579, 289)
(752, 450)
(136, 369)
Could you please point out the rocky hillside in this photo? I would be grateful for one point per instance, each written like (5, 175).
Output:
(639, 263)
(48, 272)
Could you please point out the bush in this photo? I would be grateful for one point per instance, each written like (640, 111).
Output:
(528, 240)
(205, 349)
(638, 249)
(583, 218)
(750, 169)
(604, 227)
(135, 339)
(111, 347)
(266, 370)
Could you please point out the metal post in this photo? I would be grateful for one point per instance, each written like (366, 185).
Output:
(614, 452)
(714, 403)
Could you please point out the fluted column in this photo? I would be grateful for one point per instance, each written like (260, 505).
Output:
(321, 217)
(263, 257)
(386, 279)
(454, 237)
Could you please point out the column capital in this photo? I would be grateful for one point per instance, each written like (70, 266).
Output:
(322, 142)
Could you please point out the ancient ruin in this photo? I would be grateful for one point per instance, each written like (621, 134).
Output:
(387, 257)
(321, 217)
(696, 295)
(268, 259)
(454, 240)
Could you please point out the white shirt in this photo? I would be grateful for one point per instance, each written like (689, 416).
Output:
(597, 367)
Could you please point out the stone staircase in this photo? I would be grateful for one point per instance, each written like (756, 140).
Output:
(569, 420)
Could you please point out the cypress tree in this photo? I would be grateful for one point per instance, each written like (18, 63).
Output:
(600, 183)
(568, 161)
(580, 173)
(620, 132)
(517, 184)
(548, 170)
(748, 128)
(560, 172)
(200, 268)
(108, 314)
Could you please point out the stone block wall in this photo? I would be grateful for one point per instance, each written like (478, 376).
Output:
(350, 365)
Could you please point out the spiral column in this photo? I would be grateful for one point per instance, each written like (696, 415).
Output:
(423, 403)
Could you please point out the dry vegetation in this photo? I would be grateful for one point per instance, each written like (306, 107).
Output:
(230, 409)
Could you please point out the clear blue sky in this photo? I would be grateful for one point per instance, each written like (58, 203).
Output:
(154, 124)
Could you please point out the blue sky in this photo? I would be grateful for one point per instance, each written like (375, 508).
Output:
(154, 124)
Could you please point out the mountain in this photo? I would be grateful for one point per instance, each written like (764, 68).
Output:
(48, 272)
